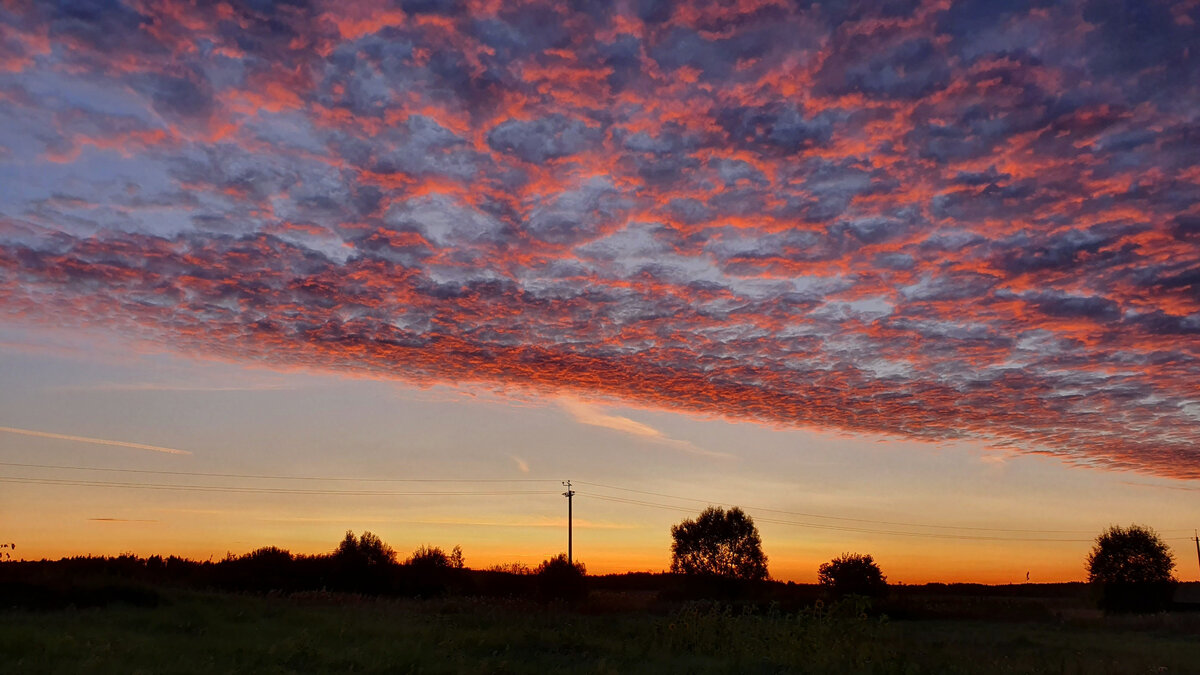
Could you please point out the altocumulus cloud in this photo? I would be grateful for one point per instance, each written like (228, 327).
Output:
(932, 219)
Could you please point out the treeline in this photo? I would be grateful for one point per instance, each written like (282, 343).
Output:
(715, 557)
(359, 565)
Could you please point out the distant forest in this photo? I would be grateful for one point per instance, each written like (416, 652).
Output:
(366, 566)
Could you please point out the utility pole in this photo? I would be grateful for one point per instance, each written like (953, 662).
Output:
(1196, 538)
(569, 494)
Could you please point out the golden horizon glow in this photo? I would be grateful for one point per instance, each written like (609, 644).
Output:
(918, 279)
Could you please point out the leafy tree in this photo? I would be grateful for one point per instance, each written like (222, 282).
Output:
(429, 557)
(364, 564)
(367, 550)
(264, 569)
(429, 571)
(852, 574)
(1132, 567)
(274, 554)
(375, 551)
(560, 579)
(718, 543)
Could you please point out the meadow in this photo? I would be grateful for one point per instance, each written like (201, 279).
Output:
(172, 630)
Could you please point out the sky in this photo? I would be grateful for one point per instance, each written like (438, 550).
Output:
(912, 278)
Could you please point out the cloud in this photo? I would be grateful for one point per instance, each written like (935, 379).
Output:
(970, 222)
(169, 386)
(776, 128)
(522, 465)
(586, 413)
(121, 520)
(908, 69)
(95, 441)
(577, 214)
(536, 141)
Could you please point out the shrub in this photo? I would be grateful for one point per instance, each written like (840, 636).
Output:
(514, 580)
(428, 557)
(511, 568)
(852, 574)
(265, 569)
(430, 571)
(559, 579)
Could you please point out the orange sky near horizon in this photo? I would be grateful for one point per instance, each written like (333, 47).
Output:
(913, 278)
(897, 491)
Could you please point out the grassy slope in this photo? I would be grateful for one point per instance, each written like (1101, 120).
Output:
(208, 633)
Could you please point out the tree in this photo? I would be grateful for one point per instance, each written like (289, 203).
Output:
(719, 543)
(367, 550)
(852, 574)
(430, 571)
(1132, 567)
(429, 557)
(364, 564)
(264, 569)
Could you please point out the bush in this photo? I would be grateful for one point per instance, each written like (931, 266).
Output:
(852, 574)
(429, 557)
(265, 569)
(519, 568)
(429, 571)
(512, 580)
(559, 579)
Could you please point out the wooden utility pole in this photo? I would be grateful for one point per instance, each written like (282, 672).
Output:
(1196, 539)
(569, 494)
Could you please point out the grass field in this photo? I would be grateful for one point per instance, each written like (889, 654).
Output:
(193, 632)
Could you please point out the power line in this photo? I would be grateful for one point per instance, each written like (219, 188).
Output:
(842, 518)
(869, 525)
(842, 528)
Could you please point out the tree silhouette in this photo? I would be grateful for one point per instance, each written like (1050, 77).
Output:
(367, 550)
(364, 563)
(429, 557)
(718, 543)
(852, 574)
(1132, 567)
(429, 571)
(264, 569)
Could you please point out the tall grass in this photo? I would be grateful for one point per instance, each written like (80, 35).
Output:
(192, 632)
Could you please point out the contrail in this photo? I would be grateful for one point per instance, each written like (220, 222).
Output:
(97, 441)
(585, 413)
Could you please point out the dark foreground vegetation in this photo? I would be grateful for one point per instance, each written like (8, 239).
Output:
(269, 611)
(610, 632)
